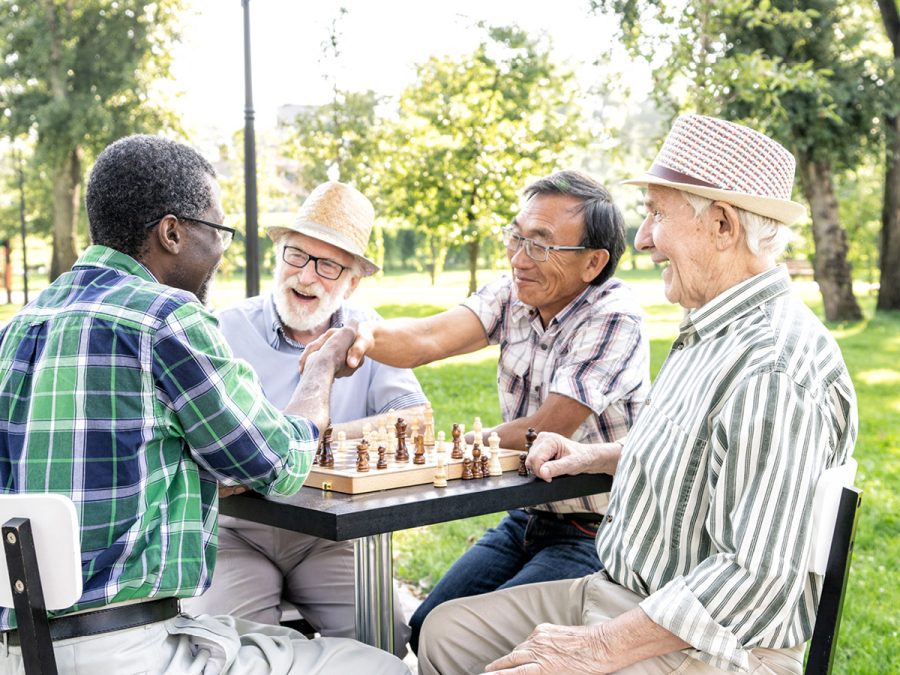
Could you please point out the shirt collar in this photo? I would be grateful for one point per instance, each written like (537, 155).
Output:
(104, 256)
(275, 331)
(738, 300)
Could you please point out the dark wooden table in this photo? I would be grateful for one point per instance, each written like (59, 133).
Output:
(370, 519)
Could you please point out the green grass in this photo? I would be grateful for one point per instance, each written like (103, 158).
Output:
(465, 386)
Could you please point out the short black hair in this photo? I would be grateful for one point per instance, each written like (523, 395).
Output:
(604, 224)
(139, 178)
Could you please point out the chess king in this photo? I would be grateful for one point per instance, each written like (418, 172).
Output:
(320, 262)
(573, 360)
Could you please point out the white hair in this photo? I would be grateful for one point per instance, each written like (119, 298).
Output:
(765, 237)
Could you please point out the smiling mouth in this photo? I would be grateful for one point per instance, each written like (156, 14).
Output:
(303, 296)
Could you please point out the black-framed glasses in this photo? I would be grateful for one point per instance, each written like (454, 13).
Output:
(325, 268)
(226, 234)
(534, 250)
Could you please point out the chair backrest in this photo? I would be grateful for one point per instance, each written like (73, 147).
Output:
(57, 542)
(835, 513)
(40, 532)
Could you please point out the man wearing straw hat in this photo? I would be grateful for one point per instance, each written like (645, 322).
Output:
(707, 534)
(320, 262)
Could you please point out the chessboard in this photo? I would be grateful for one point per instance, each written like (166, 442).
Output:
(343, 476)
(388, 457)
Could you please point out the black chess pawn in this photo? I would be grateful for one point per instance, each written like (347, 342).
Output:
(402, 453)
(327, 457)
(419, 457)
(476, 462)
(457, 452)
(382, 461)
(523, 470)
(467, 473)
(530, 437)
(485, 466)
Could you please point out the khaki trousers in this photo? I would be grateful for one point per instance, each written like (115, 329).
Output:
(209, 645)
(464, 635)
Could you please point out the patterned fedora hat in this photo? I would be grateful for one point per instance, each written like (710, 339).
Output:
(338, 215)
(725, 161)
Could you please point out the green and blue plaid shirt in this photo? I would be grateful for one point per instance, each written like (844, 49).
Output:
(121, 393)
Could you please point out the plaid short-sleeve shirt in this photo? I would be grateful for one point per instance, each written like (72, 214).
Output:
(120, 393)
(593, 351)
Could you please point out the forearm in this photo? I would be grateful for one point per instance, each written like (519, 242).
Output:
(403, 343)
(354, 428)
(312, 397)
(632, 637)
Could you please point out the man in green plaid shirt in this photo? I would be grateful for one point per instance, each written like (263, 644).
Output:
(118, 391)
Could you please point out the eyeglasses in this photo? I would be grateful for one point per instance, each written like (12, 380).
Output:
(226, 234)
(537, 252)
(325, 268)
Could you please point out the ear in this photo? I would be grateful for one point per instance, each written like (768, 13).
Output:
(728, 231)
(169, 234)
(354, 282)
(596, 262)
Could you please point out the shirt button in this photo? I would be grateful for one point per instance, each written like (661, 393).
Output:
(608, 519)
(544, 347)
(538, 388)
(679, 346)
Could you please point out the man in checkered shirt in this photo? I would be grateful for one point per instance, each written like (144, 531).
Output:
(573, 360)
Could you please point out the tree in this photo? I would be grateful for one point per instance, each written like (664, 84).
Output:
(470, 132)
(798, 74)
(77, 74)
(889, 292)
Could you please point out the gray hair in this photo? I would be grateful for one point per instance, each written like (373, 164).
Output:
(765, 237)
(141, 178)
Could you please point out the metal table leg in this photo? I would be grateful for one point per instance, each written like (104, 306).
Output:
(374, 591)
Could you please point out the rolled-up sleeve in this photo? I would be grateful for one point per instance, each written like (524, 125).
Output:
(769, 445)
(490, 305)
(230, 428)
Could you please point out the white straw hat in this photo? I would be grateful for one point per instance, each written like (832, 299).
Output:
(338, 215)
(725, 161)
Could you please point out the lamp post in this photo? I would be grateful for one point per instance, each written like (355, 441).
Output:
(250, 209)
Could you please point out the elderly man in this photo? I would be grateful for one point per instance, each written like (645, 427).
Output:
(117, 390)
(321, 259)
(572, 360)
(708, 529)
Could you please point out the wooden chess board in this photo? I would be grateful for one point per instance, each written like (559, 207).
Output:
(343, 476)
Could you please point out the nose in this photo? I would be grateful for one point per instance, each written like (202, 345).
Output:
(519, 258)
(643, 240)
(307, 273)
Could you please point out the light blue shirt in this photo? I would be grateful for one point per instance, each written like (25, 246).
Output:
(255, 333)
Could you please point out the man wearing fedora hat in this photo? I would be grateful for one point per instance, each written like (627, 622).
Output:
(321, 260)
(708, 529)
(573, 359)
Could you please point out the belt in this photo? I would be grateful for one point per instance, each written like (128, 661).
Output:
(581, 518)
(106, 620)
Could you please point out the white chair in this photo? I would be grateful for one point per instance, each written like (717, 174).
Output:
(835, 513)
(42, 545)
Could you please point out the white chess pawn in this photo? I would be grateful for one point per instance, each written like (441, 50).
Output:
(462, 439)
(440, 447)
(383, 438)
(440, 475)
(341, 444)
(494, 467)
(367, 429)
(414, 428)
(429, 426)
(476, 426)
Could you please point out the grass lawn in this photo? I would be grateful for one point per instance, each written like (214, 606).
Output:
(463, 387)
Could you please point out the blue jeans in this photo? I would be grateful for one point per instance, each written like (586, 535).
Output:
(522, 549)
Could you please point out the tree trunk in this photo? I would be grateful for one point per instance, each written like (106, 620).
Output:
(473, 263)
(66, 199)
(831, 268)
(889, 291)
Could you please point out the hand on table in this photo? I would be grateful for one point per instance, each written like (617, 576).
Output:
(554, 455)
(553, 649)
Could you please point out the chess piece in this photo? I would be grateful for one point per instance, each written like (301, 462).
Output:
(440, 445)
(457, 452)
(362, 456)
(440, 474)
(429, 426)
(476, 462)
(402, 453)
(327, 458)
(530, 437)
(467, 473)
(342, 444)
(383, 438)
(485, 468)
(420, 450)
(382, 462)
(414, 428)
(477, 434)
(392, 437)
(523, 470)
(494, 469)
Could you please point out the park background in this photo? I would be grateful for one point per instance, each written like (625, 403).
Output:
(440, 115)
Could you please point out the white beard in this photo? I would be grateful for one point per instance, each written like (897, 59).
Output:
(299, 319)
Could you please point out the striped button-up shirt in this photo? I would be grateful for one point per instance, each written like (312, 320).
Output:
(120, 393)
(593, 351)
(710, 511)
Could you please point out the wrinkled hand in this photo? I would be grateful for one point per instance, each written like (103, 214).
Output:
(552, 649)
(228, 490)
(355, 355)
(331, 349)
(554, 455)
